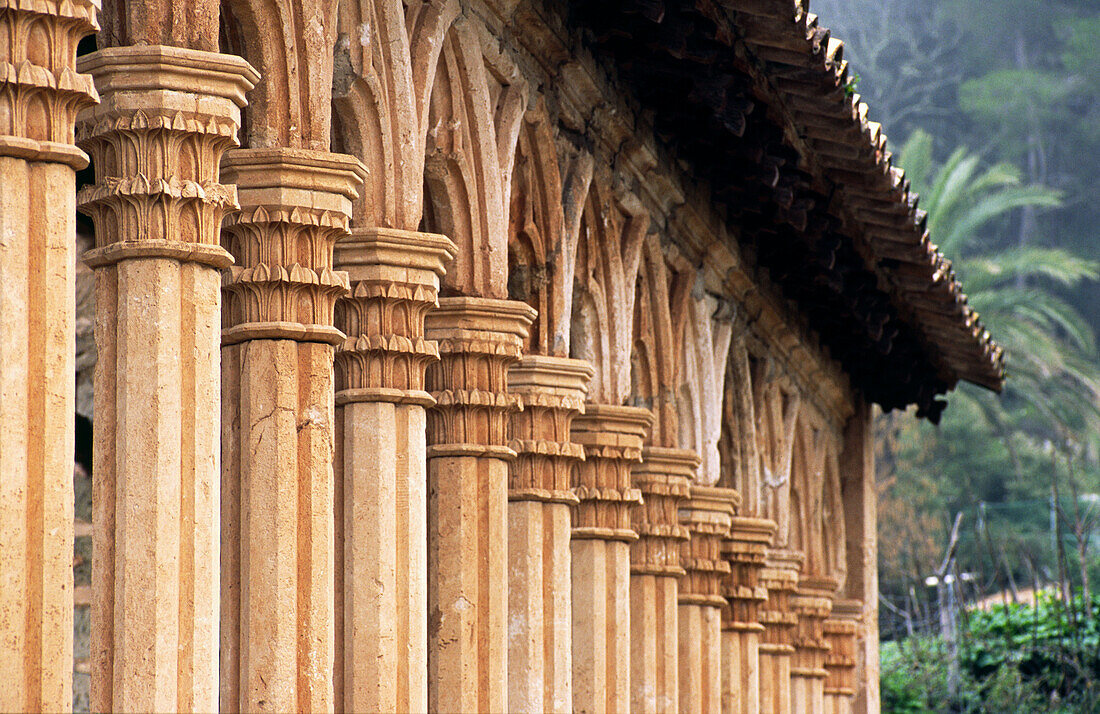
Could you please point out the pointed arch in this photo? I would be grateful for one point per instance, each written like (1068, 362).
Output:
(705, 340)
(609, 248)
(535, 230)
(655, 362)
(473, 117)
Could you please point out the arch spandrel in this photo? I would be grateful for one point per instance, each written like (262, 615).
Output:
(609, 249)
(377, 101)
(536, 232)
(290, 43)
(705, 335)
(776, 406)
(817, 517)
(472, 122)
(655, 354)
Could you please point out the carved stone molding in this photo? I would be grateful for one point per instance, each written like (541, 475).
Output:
(295, 204)
(812, 602)
(612, 437)
(746, 550)
(167, 116)
(840, 631)
(479, 339)
(664, 479)
(41, 90)
(780, 578)
(394, 282)
(707, 515)
(552, 390)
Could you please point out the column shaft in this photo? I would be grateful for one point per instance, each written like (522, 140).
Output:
(780, 577)
(540, 495)
(745, 550)
(468, 459)
(812, 602)
(707, 516)
(37, 346)
(381, 468)
(664, 479)
(277, 479)
(612, 438)
(167, 116)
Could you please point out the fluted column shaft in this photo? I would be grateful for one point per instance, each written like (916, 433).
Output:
(468, 459)
(746, 551)
(167, 116)
(780, 578)
(278, 343)
(40, 94)
(612, 437)
(540, 496)
(812, 602)
(841, 631)
(663, 477)
(707, 515)
(380, 489)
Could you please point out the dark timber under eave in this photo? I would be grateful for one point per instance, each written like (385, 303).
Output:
(756, 97)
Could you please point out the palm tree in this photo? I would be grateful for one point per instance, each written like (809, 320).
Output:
(1053, 390)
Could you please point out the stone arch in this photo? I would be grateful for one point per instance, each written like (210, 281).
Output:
(536, 230)
(473, 123)
(609, 247)
(384, 53)
(705, 339)
(655, 358)
(290, 43)
(776, 406)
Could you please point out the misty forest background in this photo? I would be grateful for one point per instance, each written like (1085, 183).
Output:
(989, 523)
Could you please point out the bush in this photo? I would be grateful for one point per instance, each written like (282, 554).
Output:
(1012, 658)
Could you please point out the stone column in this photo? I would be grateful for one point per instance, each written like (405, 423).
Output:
(277, 493)
(812, 602)
(381, 534)
(468, 459)
(841, 631)
(746, 551)
(780, 578)
(707, 516)
(540, 657)
(664, 478)
(167, 116)
(40, 94)
(612, 438)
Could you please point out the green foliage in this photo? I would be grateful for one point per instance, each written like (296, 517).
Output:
(1013, 657)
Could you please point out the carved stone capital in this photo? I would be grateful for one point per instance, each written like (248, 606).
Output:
(780, 578)
(812, 601)
(166, 117)
(707, 515)
(479, 339)
(612, 437)
(295, 204)
(841, 630)
(746, 550)
(40, 90)
(664, 479)
(552, 390)
(394, 280)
